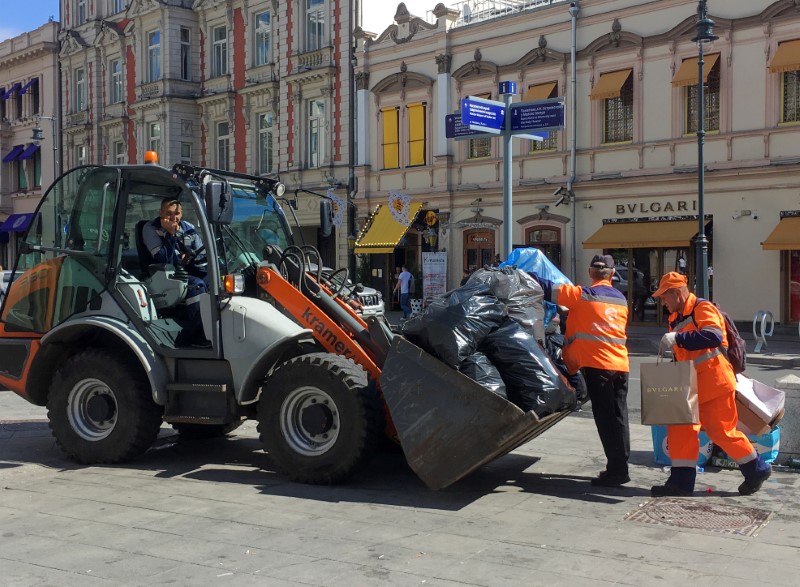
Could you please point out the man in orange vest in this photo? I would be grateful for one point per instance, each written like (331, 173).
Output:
(697, 333)
(595, 343)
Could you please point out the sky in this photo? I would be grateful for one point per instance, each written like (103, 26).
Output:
(19, 16)
(378, 16)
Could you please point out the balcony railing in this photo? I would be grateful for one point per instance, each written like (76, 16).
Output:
(78, 118)
(473, 11)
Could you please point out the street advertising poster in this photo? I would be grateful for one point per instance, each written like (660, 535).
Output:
(434, 275)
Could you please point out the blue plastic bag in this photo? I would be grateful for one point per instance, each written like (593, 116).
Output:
(533, 260)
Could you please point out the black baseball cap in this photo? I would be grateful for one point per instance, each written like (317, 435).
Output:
(602, 262)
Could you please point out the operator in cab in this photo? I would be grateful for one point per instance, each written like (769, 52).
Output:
(171, 240)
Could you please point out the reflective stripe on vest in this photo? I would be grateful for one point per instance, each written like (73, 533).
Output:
(614, 301)
(706, 356)
(594, 338)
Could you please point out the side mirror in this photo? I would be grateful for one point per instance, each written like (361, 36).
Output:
(325, 218)
(219, 204)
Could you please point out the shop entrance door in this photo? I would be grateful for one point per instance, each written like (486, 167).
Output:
(637, 274)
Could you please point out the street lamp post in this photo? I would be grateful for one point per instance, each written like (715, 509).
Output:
(705, 34)
(38, 135)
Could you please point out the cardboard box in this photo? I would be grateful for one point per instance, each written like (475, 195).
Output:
(760, 407)
(767, 445)
(661, 449)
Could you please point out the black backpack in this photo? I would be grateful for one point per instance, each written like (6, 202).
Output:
(737, 348)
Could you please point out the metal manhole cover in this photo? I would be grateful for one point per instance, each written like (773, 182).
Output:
(683, 513)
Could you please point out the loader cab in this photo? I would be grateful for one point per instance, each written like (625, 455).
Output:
(79, 257)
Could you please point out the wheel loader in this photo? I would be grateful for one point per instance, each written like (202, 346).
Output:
(90, 327)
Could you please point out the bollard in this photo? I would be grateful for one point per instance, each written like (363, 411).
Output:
(760, 332)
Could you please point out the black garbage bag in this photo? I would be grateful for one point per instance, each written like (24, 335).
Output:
(479, 368)
(554, 345)
(521, 293)
(532, 381)
(452, 326)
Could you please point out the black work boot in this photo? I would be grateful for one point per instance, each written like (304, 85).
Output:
(755, 473)
(680, 483)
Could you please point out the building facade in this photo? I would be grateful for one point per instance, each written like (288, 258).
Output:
(252, 86)
(621, 176)
(28, 99)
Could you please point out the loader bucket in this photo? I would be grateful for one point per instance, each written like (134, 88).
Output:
(448, 424)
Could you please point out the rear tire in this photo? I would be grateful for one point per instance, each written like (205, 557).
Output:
(203, 431)
(101, 408)
(319, 419)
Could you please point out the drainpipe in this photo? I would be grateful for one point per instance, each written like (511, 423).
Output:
(352, 186)
(574, 8)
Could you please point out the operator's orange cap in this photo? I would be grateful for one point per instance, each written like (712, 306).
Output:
(671, 280)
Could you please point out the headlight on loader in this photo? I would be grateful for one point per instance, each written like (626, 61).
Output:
(234, 284)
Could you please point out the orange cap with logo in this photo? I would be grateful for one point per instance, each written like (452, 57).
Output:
(671, 280)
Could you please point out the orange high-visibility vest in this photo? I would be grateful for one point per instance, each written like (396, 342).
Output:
(595, 336)
(715, 375)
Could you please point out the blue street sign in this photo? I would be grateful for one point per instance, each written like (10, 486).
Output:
(455, 129)
(539, 115)
(480, 114)
(508, 88)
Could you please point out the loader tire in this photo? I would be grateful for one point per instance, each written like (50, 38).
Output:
(319, 419)
(101, 408)
(203, 431)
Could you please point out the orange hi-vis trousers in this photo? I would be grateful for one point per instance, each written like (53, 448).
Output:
(718, 418)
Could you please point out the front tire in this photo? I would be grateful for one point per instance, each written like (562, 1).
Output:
(101, 408)
(319, 419)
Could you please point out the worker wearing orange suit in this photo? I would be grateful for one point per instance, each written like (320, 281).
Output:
(595, 342)
(697, 333)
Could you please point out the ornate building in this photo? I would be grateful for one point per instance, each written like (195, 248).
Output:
(28, 99)
(253, 86)
(621, 177)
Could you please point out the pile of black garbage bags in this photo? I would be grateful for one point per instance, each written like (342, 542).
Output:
(492, 330)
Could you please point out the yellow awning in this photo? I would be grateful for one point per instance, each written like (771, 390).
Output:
(539, 92)
(687, 72)
(383, 231)
(610, 84)
(643, 235)
(787, 57)
(786, 235)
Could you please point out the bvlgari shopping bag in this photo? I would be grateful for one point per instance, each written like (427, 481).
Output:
(669, 393)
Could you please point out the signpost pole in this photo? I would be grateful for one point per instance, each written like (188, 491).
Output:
(507, 178)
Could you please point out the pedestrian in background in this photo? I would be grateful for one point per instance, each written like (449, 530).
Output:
(594, 342)
(402, 286)
(697, 333)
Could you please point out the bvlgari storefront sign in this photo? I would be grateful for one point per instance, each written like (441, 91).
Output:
(657, 207)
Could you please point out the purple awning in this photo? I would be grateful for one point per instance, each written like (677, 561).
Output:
(28, 85)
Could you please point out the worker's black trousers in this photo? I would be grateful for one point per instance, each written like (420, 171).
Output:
(608, 391)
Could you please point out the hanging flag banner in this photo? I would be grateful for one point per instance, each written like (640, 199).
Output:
(338, 205)
(400, 207)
